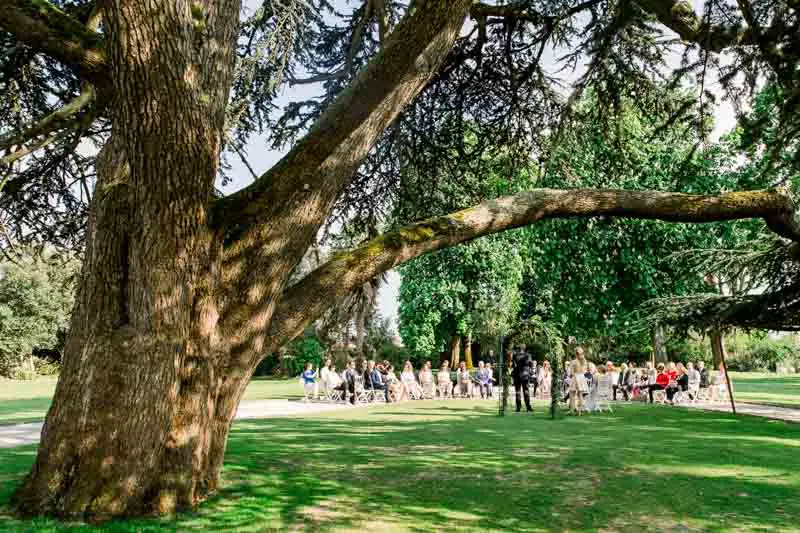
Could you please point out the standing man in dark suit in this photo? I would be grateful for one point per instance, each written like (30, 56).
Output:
(522, 369)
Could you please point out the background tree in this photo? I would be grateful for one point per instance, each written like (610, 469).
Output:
(183, 292)
(591, 275)
(36, 297)
(446, 297)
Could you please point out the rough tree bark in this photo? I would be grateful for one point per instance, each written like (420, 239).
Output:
(659, 350)
(181, 295)
(717, 347)
(455, 350)
(468, 351)
(178, 290)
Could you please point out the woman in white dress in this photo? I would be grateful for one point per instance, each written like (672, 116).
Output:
(397, 390)
(410, 381)
(444, 382)
(426, 380)
(577, 383)
(545, 380)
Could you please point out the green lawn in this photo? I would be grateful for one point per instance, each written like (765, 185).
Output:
(783, 390)
(449, 466)
(25, 401)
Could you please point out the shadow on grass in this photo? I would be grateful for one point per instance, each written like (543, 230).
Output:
(433, 466)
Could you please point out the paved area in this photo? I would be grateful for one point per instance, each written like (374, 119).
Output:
(21, 434)
(767, 411)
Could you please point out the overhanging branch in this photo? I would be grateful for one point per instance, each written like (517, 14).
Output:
(680, 17)
(305, 301)
(45, 28)
(52, 122)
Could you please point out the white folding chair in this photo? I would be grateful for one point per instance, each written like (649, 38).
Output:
(445, 389)
(660, 396)
(603, 393)
(332, 394)
(428, 390)
(362, 394)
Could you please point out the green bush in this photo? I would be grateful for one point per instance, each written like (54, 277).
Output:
(690, 351)
(302, 351)
(761, 353)
(45, 367)
(269, 366)
(36, 298)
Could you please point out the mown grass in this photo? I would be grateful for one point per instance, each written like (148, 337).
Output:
(456, 466)
(28, 401)
(769, 389)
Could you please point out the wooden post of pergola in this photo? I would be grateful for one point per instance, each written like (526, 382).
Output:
(728, 381)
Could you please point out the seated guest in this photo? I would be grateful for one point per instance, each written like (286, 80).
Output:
(591, 376)
(701, 369)
(408, 379)
(681, 382)
(620, 382)
(443, 379)
(483, 377)
(693, 382)
(348, 383)
(426, 380)
(662, 380)
(332, 379)
(324, 371)
(672, 371)
(463, 379)
(650, 373)
(396, 391)
(373, 379)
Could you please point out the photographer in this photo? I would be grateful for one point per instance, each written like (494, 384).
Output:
(522, 372)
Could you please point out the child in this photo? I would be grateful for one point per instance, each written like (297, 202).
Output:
(309, 378)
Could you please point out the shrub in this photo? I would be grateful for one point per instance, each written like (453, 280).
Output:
(46, 367)
(35, 303)
(762, 353)
(269, 366)
(302, 351)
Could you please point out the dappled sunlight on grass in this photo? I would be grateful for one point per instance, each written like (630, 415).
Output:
(455, 465)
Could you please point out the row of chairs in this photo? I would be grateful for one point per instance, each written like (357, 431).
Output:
(365, 395)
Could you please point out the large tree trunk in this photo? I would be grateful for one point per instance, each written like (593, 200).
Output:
(659, 350)
(129, 430)
(455, 350)
(468, 351)
(175, 303)
(717, 347)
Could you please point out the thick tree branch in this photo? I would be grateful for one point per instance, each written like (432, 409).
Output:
(680, 17)
(52, 122)
(525, 13)
(308, 299)
(328, 155)
(45, 28)
(267, 226)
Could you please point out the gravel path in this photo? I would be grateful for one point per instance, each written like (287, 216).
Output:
(767, 411)
(21, 434)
